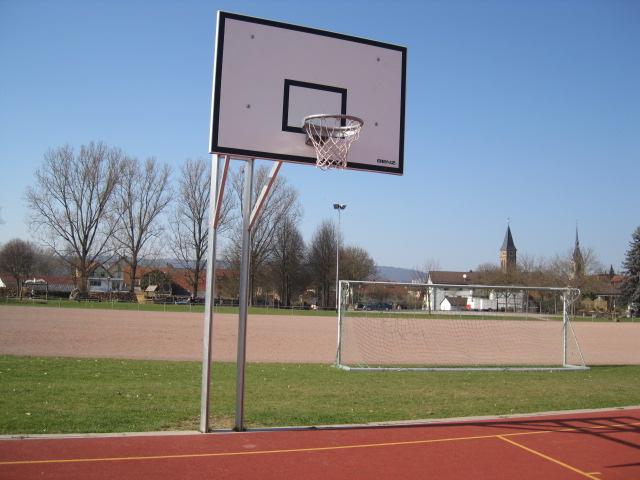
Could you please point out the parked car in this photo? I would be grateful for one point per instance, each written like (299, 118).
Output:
(380, 306)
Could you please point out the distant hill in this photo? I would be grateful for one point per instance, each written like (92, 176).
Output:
(396, 274)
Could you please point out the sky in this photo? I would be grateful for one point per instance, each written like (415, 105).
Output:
(519, 110)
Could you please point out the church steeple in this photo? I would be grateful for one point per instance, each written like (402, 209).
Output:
(508, 252)
(577, 260)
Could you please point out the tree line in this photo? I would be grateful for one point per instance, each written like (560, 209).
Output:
(97, 202)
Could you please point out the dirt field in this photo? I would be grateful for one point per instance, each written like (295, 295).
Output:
(271, 338)
(162, 336)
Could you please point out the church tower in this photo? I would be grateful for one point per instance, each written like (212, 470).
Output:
(508, 253)
(577, 260)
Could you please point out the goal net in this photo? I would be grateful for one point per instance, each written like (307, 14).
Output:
(417, 326)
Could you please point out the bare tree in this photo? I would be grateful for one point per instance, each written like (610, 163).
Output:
(287, 264)
(561, 269)
(356, 264)
(48, 263)
(18, 258)
(72, 203)
(592, 264)
(491, 274)
(189, 228)
(421, 275)
(142, 195)
(422, 272)
(281, 205)
(321, 262)
(534, 271)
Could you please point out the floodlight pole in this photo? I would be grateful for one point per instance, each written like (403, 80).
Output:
(339, 207)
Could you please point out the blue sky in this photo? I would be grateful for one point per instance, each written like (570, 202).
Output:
(527, 110)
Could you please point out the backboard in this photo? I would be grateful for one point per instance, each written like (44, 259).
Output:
(269, 75)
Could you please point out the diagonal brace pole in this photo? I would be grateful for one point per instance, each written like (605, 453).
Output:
(223, 182)
(264, 194)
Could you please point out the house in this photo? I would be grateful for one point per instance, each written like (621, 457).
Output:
(181, 279)
(181, 283)
(456, 282)
(101, 279)
(454, 303)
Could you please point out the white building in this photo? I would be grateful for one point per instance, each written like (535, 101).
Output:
(104, 280)
(476, 298)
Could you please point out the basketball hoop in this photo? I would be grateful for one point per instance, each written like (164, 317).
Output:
(332, 136)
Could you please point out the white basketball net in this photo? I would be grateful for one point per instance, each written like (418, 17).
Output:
(332, 136)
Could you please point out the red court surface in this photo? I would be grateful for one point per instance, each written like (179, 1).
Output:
(602, 445)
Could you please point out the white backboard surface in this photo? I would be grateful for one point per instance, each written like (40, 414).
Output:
(269, 75)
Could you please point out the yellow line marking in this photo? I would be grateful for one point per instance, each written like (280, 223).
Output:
(262, 452)
(311, 449)
(257, 452)
(547, 457)
(595, 473)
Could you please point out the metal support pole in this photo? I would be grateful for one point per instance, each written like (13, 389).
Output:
(207, 338)
(244, 293)
(565, 319)
(338, 258)
(339, 350)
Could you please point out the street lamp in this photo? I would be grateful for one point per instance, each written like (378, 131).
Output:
(339, 207)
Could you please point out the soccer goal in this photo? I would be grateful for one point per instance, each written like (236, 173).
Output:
(418, 326)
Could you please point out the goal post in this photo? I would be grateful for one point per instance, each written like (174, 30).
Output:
(424, 326)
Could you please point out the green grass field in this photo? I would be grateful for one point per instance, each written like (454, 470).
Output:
(63, 395)
(150, 307)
